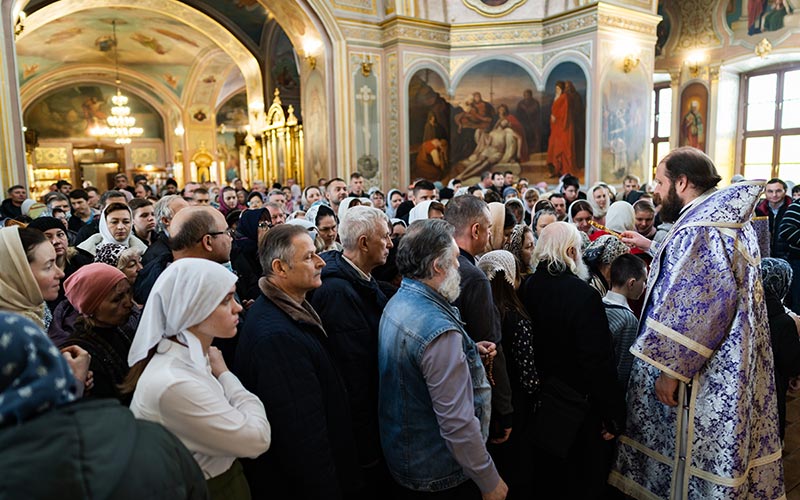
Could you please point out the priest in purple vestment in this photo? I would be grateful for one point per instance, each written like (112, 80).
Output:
(702, 411)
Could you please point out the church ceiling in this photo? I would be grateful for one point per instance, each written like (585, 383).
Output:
(159, 47)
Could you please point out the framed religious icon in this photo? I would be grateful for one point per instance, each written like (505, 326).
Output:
(493, 8)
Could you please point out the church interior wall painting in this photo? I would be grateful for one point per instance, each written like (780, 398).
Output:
(231, 121)
(497, 120)
(663, 29)
(748, 18)
(367, 130)
(315, 123)
(625, 129)
(69, 112)
(693, 115)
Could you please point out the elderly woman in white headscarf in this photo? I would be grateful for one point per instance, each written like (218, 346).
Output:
(116, 223)
(182, 382)
(347, 204)
(621, 217)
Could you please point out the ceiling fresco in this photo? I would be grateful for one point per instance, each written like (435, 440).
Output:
(157, 46)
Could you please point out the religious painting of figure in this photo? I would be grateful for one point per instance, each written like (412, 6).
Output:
(753, 17)
(496, 109)
(315, 128)
(694, 110)
(564, 117)
(496, 119)
(72, 112)
(625, 108)
(429, 116)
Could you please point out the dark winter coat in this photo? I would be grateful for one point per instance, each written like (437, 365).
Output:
(96, 449)
(778, 247)
(350, 308)
(785, 349)
(284, 359)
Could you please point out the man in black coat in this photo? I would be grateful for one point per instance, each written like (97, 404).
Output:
(350, 303)
(572, 343)
(472, 222)
(284, 358)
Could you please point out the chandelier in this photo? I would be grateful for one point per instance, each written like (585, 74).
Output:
(121, 125)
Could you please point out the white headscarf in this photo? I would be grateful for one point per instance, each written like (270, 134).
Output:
(389, 210)
(420, 211)
(621, 217)
(344, 206)
(185, 294)
(106, 233)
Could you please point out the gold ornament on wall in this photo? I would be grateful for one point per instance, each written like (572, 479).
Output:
(763, 49)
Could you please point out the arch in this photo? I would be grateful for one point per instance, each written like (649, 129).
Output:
(426, 64)
(519, 61)
(190, 16)
(572, 56)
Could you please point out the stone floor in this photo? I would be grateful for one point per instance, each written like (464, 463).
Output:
(791, 448)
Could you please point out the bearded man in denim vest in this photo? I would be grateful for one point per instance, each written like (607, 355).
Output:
(434, 400)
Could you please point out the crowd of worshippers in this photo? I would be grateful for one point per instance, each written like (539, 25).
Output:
(332, 341)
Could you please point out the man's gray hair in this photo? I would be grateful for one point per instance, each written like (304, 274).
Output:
(553, 247)
(278, 243)
(464, 211)
(425, 241)
(276, 191)
(55, 195)
(361, 221)
(112, 193)
(162, 211)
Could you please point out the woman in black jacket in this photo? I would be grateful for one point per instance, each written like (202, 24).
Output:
(252, 226)
(776, 275)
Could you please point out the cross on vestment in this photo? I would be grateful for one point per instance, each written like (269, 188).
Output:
(366, 96)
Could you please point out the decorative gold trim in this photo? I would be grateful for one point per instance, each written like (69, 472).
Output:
(360, 10)
(493, 11)
(644, 449)
(630, 487)
(735, 482)
(663, 368)
(679, 338)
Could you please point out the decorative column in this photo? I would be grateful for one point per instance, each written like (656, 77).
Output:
(12, 141)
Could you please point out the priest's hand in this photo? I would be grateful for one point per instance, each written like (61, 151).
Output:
(634, 239)
(667, 389)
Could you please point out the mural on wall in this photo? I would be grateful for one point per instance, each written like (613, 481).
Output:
(69, 112)
(367, 130)
(565, 121)
(248, 15)
(315, 129)
(663, 29)
(752, 17)
(154, 45)
(626, 98)
(694, 110)
(497, 120)
(231, 121)
(283, 72)
(233, 113)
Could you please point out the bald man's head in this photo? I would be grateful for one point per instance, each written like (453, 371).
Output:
(200, 231)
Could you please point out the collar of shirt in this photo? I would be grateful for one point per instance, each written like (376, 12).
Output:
(616, 299)
(364, 276)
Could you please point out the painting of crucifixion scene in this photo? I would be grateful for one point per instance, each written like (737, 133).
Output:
(497, 119)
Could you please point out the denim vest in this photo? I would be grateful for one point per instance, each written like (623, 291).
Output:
(415, 452)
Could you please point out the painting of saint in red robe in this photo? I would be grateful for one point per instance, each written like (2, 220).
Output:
(561, 146)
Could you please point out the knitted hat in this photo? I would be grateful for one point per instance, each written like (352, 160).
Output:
(46, 223)
(605, 249)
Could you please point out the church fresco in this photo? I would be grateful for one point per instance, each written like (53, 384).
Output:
(564, 116)
(497, 120)
(748, 18)
(624, 133)
(367, 130)
(69, 112)
(694, 111)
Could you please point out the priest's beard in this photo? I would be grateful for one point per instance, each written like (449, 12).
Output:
(671, 206)
(581, 269)
(451, 286)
